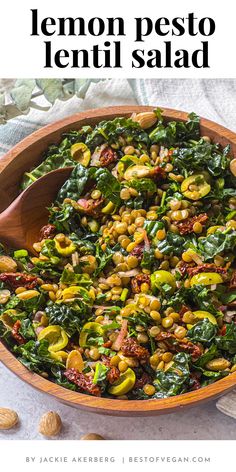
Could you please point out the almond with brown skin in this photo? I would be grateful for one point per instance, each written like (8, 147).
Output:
(50, 424)
(233, 167)
(8, 418)
(145, 119)
(91, 437)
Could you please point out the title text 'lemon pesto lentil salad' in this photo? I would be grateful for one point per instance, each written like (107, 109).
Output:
(133, 292)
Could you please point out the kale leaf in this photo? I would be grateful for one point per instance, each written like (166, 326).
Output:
(143, 185)
(176, 132)
(208, 355)
(203, 332)
(71, 278)
(75, 185)
(220, 241)
(35, 356)
(108, 185)
(70, 319)
(201, 155)
(172, 244)
(103, 258)
(109, 131)
(228, 341)
(176, 379)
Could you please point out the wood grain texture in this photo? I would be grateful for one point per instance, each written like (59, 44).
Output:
(20, 223)
(27, 154)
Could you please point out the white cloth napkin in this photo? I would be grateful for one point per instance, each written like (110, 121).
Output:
(213, 98)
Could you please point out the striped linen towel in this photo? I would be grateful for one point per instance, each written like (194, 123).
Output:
(214, 99)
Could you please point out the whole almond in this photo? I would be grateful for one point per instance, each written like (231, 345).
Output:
(8, 418)
(50, 424)
(145, 119)
(233, 167)
(91, 437)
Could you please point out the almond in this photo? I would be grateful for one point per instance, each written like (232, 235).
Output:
(50, 424)
(8, 418)
(7, 264)
(233, 167)
(218, 364)
(145, 119)
(91, 437)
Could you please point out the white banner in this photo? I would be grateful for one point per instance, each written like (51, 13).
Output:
(186, 39)
(117, 456)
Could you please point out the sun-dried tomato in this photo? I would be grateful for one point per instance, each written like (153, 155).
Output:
(18, 279)
(192, 349)
(183, 310)
(131, 348)
(143, 380)
(113, 375)
(108, 156)
(174, 345)
(107, 344)
(182, 267)
(138, 251)
(205, 268)
(164, 335)
(232, 283)
(223, 330)
(90, 206)
(84, 382)
(186, 226)
(47, 232)
(138, 280)
(15, 333)
(106, 360)
(158, 173)
(195, 381)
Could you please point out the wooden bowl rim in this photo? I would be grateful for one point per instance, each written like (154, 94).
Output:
(88, 402)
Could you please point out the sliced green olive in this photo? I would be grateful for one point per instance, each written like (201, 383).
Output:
(162, 277)
(125, 162)
(63, 249)
(81, 153)
(8, 318)
(124, 384)
(89, 328)
(206, 278)
(56, 336)
(73, 291)
(137, 172)
(109, 208)
(201, 315)
(60, 356)
(213, 229)
(196, 180)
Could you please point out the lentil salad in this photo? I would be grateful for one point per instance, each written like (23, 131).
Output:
(133, 291)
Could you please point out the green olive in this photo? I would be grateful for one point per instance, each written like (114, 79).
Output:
(89, 328)
(137, 172)
(125, 162)
(206, 278)
(200, 182)
(162, 277)
(124, 384)
(81, 153)
(200, 315)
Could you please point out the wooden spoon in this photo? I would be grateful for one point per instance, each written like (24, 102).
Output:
(21, 222)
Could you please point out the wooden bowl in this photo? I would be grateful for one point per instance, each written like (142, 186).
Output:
(27, 154)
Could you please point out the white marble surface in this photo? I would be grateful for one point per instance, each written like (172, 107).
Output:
(202, 422)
